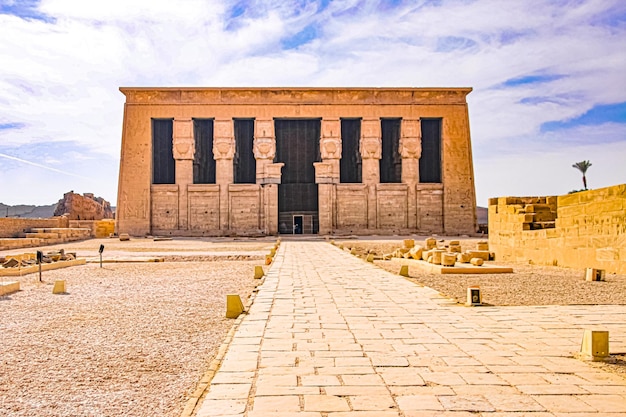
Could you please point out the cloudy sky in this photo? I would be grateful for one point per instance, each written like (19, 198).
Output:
(549, 77)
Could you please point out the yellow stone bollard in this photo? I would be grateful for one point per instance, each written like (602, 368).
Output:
(268, 259)
(353, 251)
(234, 306)
(370, 258)
(273, 251)
(592, 274)
(59, 287)
(473, 296)
(595, 345)
(404, 270)
(258, 272)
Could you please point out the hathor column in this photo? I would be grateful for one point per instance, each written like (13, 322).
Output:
(411, 152)
(327, 173)
(223, 153)
(268, 174)
(371, 152)
(183, 151)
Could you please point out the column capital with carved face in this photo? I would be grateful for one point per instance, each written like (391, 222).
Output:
(183, 146)
(371, 140)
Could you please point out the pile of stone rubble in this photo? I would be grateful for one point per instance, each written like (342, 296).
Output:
(29, 259)
(439, 253)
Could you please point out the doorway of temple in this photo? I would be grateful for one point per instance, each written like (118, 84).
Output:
(297, 146)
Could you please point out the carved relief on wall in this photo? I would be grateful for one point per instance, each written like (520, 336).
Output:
(330, 142)
(264, 129)
(411, 147)
(370, 128)
(411, 128)
(330, 148)
(371, 148)
(223, 147)
(223, 128)
(135, 209)
(183, 142)
(264, 148)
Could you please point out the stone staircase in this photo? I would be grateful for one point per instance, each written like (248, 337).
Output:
(45, 236)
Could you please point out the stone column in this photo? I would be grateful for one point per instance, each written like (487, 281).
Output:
(371, 152)
(327, 173)
(223, 153)
(183, 147)
(411, 151)
(268, 174)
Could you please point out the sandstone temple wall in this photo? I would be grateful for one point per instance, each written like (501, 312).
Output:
(581, 230)
(185, 208)
(11, 227)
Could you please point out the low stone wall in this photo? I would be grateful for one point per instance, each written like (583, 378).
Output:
(581, 230)
(17, 227)
(99, 228)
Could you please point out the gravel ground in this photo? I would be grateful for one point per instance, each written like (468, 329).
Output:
(129, 339)
(527, 285)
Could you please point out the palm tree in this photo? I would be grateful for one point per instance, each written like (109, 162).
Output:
(583, 166)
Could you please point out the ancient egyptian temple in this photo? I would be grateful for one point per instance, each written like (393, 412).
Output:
(266, 161)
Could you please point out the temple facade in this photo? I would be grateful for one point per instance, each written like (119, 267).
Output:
(266, 161)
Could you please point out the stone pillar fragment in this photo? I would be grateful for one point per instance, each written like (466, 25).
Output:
(183, 148)
(223, 153)
(371, 152)
(268, 174)
(411, 151)
(327, 173)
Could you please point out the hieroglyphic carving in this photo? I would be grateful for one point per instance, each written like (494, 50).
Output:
(183, 143)
(411, 139)
(371, 141)
(224, 139)
(264, 146)
(330, 142)
(135, 209)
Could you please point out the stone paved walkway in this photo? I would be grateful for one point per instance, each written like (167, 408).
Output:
(330, 335)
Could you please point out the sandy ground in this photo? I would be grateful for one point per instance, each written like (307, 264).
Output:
(527, 285)
(129, 339)
(133, 339)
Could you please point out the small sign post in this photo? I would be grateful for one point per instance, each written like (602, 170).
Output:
(100, 252)
(39, 261)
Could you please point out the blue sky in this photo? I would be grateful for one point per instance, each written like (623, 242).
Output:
(548, 76)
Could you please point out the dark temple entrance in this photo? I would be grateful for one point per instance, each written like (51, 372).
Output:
(297, 146)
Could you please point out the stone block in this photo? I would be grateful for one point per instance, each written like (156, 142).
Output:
(482, 246)
(595, 345)
(416, 252)
(59, 287)
(409, 243)
(482, 254)
(370, 257)
(124, 237)
(455, 249)
(258, 272)
(448, 259)
(268, 259)
(404, 271)
(9, 287)
(592, 274)
(430, 243)
(477, 261)
(473, 296)
(464, 257)
(426, 254)
(436, 255)
(234, 306)
(537, 208)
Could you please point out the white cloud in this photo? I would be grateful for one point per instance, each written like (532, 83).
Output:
(60, 78)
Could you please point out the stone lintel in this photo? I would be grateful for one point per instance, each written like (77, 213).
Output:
(272, 173)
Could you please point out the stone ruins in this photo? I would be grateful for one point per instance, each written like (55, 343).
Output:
(83, 207)
(262, 161)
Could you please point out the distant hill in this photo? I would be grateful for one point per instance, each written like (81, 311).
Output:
(482, 215)
(23, 210)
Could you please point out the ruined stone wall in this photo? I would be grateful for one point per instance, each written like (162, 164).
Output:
(225, 208)
(99, 228)
(17, 227)
(83, 207)
(581, 230)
